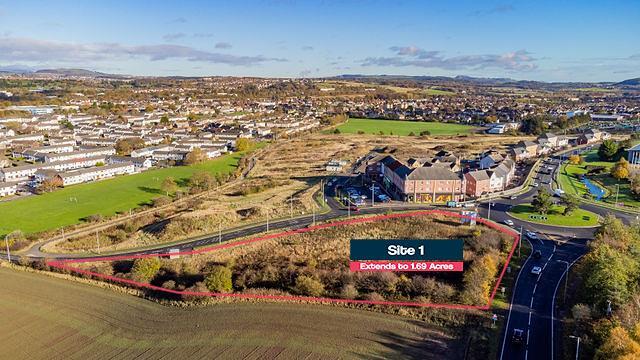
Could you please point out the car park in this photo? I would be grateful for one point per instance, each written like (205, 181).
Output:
(536, 270)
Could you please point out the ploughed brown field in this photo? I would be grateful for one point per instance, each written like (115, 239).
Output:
(50, 318)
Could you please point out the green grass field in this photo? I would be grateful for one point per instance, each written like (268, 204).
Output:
(397, 127)
(569, 181)
(52, 210)
(50, 318)
(555, 217)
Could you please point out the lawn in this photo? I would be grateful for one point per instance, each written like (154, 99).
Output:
(46, 317)
(70, 205)
(569, 182)
(555, 217)
(397, 127)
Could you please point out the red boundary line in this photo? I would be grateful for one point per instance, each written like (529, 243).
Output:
(62, 264)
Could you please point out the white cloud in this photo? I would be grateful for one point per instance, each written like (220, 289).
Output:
(34, 50)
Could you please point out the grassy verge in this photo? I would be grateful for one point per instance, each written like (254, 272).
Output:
(555, 216)
(403, 128)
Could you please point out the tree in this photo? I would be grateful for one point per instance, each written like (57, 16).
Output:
(243, 144)
(608, 150)
(535, 125)
(195, 156)
(169, 185)
(542, 203)
(306, 285)
(575, 159)
(164, 120)
(219, 280)
(201, 181)
(145, 269)
(610, 275)
(124, 147)
(50, 184)
(570, 204)
(621, 169)
(619, 345)
(635, 186)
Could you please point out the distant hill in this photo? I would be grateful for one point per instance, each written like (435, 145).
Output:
(74, 72)
(629, 82)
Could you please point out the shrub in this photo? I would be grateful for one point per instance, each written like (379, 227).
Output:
(145, 269)
(308, 286)
(348, 291)
(219, 280)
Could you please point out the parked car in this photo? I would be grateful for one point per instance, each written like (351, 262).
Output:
(535, 184)
(531, 235)
(537, 254)
(536, 270)
(354, 208)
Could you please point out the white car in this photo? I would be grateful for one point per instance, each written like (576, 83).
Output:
(535, 184)
(531, 235)
(508, 222)
(536, 270)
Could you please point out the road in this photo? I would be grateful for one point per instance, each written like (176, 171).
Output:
(533, 308)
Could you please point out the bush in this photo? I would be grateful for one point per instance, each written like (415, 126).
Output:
(219, 280)
(308, 286)
(145, 269)
(348, 291)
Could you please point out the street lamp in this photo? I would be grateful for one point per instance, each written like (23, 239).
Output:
(489, 213)
(577, 344)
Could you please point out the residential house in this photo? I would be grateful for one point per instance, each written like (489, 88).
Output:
(8, 188)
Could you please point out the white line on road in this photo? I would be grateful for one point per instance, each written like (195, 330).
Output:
(553, 300)
(513, 295)
(535, 287)
(529, 318)
(531, 305)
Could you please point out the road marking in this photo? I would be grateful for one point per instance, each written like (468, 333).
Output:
(553, 300)
(535, 287)
(531, 305)
(528, 337)
(529, 324)
(513, 294)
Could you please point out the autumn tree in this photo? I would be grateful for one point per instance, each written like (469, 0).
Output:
(124, 147)
(244, 144)
(169, 185)
(575, 159)
(50, 184)
(621, 169)
(201, 181)
(195, 156)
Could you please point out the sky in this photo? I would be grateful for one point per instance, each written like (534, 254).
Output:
(533, 40)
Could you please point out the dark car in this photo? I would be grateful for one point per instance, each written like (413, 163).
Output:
(354, 208)
(537, 254)
(517, 337)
